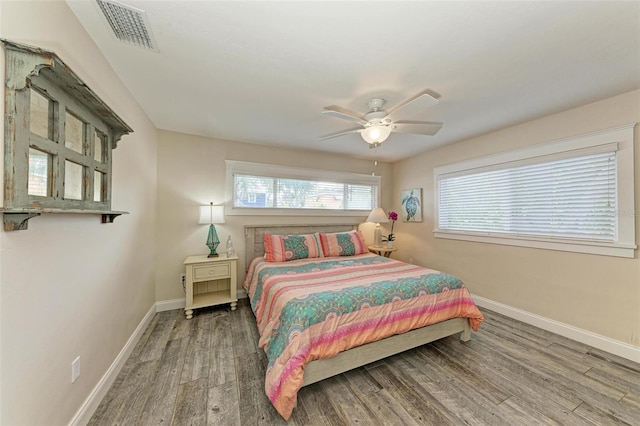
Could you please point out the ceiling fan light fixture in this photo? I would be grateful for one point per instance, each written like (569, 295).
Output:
(376, 134)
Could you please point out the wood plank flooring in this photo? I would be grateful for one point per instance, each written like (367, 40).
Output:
(209, 371)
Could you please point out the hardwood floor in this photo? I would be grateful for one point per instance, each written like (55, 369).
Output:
(208, 370)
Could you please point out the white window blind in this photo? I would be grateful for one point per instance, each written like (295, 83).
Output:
(569, 198)
(574, 194)
(274, 189)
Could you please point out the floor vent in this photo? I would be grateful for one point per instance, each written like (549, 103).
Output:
(129, 24)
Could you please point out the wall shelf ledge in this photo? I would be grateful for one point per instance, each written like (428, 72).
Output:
(17, 219)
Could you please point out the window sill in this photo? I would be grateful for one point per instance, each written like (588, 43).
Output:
(588, 247)
(17, 219)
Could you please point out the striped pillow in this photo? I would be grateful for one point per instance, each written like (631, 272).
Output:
(282, 248)
(343, 244)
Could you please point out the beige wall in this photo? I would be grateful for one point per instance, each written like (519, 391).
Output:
(70, 285)
(599, 294)
(191, 172)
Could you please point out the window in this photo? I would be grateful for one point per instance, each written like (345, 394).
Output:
(573, 195)
(59, 140)
(267, 189)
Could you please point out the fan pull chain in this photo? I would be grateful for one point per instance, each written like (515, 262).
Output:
(375, 163)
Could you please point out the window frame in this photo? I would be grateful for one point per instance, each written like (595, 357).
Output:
(234, 167)
(623, 246)
(30, 69)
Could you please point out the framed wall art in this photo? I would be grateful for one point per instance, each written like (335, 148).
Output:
(411, 205)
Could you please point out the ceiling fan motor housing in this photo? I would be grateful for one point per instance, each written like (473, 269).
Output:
(376, 118)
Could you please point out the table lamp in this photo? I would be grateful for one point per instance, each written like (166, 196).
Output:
(377, 216)
(212, 214)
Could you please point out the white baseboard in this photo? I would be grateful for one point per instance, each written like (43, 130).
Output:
(598, 341)
(83, 415)
(168, 305)
(241, 294)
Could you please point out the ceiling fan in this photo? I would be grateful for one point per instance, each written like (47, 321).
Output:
(378, 124)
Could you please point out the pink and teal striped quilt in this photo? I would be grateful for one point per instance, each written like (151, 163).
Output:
(310, 309)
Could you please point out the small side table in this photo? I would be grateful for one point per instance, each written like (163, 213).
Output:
(210, 281)
(382, 250)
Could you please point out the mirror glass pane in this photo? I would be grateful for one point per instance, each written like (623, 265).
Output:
(99, 147)
(39, 167)
(74, 132)
(39, 115)
(72, 181)
(98, 179)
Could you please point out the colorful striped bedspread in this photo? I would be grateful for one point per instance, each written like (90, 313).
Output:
(310, 309)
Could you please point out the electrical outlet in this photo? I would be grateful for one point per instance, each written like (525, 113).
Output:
(183, 280)
(75, 369)
(411, 260)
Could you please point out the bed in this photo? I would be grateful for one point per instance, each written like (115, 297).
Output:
(322, 316)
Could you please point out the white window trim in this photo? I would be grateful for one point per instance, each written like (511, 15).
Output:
(624, 246)
(272, 170)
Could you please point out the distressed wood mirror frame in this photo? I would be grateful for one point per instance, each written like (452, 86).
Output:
(58, 141)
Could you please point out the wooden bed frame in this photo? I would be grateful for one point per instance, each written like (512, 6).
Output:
(370, 352)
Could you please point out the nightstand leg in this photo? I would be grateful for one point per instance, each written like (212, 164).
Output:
(188, 313)
(233, 305)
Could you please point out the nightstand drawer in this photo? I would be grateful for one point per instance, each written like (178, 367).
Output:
(211, 272)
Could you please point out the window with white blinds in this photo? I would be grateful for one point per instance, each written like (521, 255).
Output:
(268, 189)
(570, 195)
(574, 198)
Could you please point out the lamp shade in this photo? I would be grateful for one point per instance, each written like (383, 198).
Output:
(376, 134)
(211, 214)
(378, 215)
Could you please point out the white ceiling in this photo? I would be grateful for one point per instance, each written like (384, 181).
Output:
(261, 72)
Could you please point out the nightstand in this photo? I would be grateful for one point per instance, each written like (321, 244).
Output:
(210, 281)
(382, 250)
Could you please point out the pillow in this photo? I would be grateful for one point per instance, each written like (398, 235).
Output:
(282, 248)
(343, 244)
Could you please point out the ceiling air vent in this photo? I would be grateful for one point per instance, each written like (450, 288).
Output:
(129, 24)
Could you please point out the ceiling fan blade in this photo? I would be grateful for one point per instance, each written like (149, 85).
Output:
(413, 106)
(335, 135)
(345, 114)
(417, 127)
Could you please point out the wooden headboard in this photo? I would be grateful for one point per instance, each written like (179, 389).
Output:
(254, 241)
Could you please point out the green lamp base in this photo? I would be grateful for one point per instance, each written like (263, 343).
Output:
(213, 241)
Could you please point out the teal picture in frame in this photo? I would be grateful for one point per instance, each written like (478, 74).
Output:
(411, 205)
